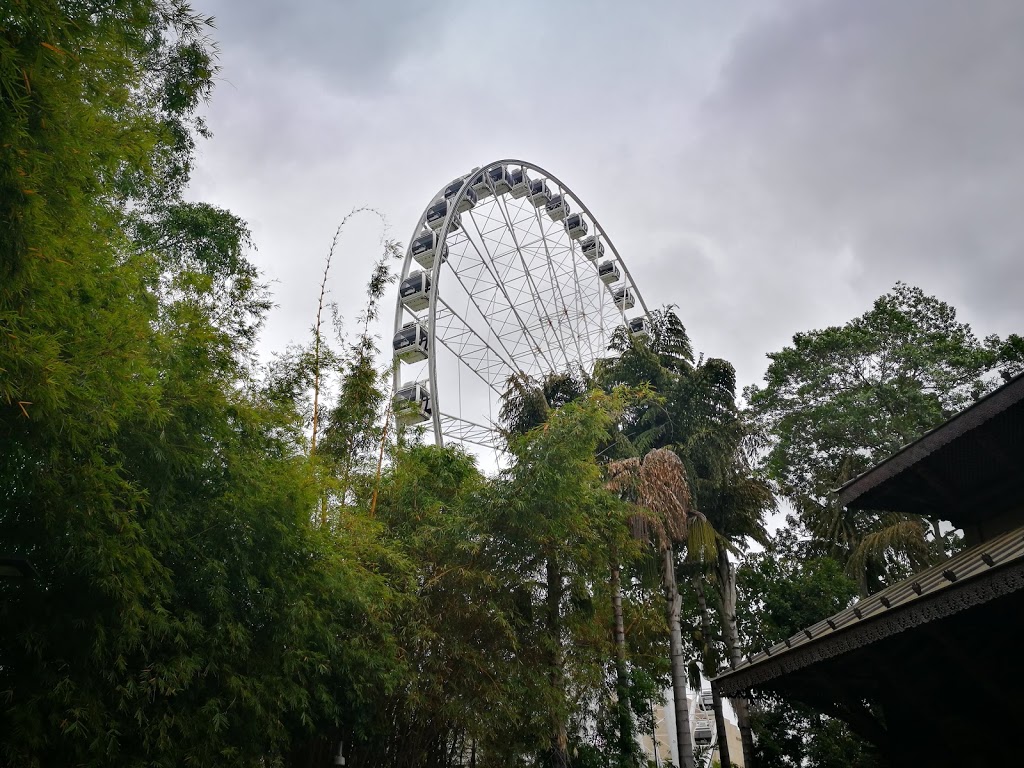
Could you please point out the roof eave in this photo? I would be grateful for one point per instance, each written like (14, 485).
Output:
(976, 414)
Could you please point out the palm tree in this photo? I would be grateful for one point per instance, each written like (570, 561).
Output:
(657, 484)
(527, 402)
(698, 419)
(877, 548)
(735, 502)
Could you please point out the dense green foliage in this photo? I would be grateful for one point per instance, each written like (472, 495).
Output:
(834, 403)
(786, 587)
(239, 566)
(844, 398)
(183, 606)
(694, 413)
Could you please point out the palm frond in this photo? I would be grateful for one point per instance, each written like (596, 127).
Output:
(702, 540)
(898, 536)
(658, 487)
(693, 677)
(664, 490)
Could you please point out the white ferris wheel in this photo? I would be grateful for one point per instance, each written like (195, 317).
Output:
(507, 273)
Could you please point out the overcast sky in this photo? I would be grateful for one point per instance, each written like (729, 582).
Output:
(769, 167)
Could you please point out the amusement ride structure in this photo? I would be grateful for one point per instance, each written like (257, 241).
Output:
(507, 273)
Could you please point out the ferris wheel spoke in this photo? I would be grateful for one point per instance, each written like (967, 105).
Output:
(473, 300)
(556, 283)
(535, 293)
(463, 341)
(478, 280)
(572, 314)
(580, 306)
(520, 271)
(565, 263)
(488, 260)
(465, 431)
(558, 314)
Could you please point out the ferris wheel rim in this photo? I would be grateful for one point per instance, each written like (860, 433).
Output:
(442, 234)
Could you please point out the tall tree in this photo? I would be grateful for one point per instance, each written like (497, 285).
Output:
(454, 622)
(555, 514)
(735, 501)
(696, 416)
(527, 404)
(841, 399)
(184, 612)
(657, 483)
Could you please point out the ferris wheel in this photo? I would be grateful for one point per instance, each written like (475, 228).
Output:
(507, 273)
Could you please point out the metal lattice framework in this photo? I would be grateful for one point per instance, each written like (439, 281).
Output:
(515, 295)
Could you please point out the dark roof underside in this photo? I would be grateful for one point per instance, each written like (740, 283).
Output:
(965, 469)
(941, 590)
(943, 691)
(929, 670)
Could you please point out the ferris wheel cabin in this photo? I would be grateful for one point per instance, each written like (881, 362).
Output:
(426, 246)
(412, 404)
(576, 226)
(592, 248)
(415, 291)
(481, 186)
(411, 343)
(609, 272)
(437, 213)
(703, 735)
(468, 200)
(641, 329)
(623, 297)
(557, 208)
(501, 182)
(539, 193)
(520, 181)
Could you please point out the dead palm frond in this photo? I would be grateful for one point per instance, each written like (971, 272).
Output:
(658, 487)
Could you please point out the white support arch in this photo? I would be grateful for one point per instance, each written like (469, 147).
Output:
(519, 296)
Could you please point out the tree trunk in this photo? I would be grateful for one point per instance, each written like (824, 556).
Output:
(559, 749)
(673, 608)
(627, 745)
(731, 633)
(711, 670)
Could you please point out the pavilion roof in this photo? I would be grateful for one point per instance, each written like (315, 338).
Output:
(981, 573)
(964, 470)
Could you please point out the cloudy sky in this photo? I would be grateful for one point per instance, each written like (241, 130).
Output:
(770, 167)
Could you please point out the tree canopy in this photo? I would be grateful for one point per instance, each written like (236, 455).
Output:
(843, 398)
(185, 611)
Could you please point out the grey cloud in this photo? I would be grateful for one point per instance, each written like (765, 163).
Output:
(298, 143)
(768, 173)
(358, 44)
(849, 145)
